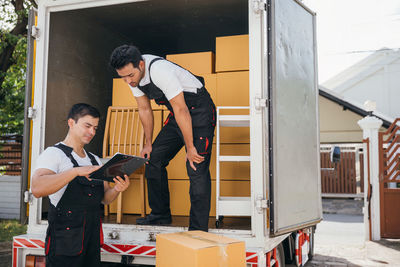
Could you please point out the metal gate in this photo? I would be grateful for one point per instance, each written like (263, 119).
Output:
(389, 180)
(345, 178)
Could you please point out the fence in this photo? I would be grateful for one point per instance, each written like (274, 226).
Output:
(10, 154)
(345, 178)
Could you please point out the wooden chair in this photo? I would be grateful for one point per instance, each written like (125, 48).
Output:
(124, 133)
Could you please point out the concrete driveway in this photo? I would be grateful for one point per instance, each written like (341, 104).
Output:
(339, 241)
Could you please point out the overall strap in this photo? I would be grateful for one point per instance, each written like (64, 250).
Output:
(92, 159)
(68, 152)
(151, 63)
(201, 79)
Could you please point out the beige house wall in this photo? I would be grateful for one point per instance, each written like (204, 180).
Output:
(338, 125)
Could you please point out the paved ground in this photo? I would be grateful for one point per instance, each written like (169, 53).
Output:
(5, 254)
(339, 241)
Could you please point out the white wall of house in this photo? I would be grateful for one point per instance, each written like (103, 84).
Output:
(10, 187)
(376, 78)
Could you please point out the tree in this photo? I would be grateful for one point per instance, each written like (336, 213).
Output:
(13, 46)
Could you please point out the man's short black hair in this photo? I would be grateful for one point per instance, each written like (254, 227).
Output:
(81, 110)
(125, 54)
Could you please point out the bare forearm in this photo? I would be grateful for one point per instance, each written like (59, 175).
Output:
(44, 185)
(184, 120)
(110, 195)
(147, 119)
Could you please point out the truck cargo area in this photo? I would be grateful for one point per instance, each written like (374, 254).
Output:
(81, 41)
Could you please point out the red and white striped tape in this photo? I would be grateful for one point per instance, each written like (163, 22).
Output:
(137, 250)
(134, 250)
(28, 243)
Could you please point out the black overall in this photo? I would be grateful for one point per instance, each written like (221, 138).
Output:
(168, 143)
(74, 233)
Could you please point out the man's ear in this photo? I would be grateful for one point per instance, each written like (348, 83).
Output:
(71, 122)
(141, 65)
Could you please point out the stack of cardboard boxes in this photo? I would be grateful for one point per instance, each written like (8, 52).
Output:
(226, 76)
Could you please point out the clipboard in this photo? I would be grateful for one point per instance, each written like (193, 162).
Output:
(118, 165)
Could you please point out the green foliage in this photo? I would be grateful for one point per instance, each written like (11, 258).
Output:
(13, 19)
(10, 228)
(12, 106)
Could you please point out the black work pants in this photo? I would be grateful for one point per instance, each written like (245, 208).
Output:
(167, 144)
(77, 249)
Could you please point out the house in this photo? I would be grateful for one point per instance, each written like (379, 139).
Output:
(338, 118)
(375, 78)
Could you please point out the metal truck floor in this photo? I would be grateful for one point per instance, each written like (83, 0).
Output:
(238, 223)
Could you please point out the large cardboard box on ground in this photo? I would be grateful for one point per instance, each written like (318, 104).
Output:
(197, 63)
(232, 53)
(199, 249)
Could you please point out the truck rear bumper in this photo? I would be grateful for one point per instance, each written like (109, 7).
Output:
(24, 245)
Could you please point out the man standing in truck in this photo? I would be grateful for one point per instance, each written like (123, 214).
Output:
(74, 233)
(191, 123)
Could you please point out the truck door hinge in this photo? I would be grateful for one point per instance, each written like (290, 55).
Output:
(260, 103)
(261, 204)
(28, 197)
(35, 32)
(259, 5)
(31, 113)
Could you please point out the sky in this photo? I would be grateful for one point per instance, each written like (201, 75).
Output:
(350, 30)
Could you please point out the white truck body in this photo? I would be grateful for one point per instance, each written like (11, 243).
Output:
(74, 39)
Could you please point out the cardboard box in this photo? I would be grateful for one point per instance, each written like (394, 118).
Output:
(232, 53)
(199, 249)
(233, 89)
(122, 95)
(131, 201)
(180, 199)
(197, 63)
(210, 81)
(159, 118)
(231, 170)
(228, 171)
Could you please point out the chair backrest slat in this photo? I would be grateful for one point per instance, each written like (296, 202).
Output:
(124, 132)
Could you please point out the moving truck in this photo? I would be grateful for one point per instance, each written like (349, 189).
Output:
(69, 47)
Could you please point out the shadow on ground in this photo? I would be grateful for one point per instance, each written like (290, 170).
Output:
(390, 243)
(329, 261)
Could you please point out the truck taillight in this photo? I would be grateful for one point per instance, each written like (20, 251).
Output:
(35, 261)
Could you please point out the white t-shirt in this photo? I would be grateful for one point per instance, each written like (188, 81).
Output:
(167, 76)
(54, 159)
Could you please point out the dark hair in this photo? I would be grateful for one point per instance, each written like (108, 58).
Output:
(125, 54)
(81, 110)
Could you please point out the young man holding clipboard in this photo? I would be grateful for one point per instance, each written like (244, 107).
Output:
(62, 172)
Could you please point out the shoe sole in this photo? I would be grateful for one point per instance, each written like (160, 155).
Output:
(159, 222)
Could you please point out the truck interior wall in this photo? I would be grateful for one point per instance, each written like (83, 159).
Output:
(82, 40)
(77, 72)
